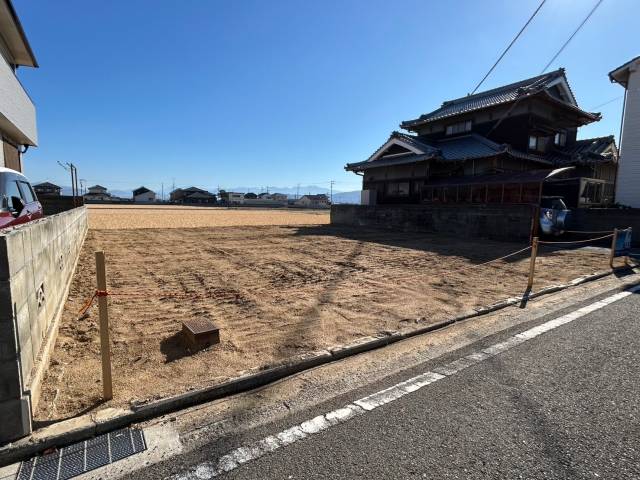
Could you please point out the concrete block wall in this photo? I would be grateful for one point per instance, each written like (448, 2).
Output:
(37, 261)
(500, 222)
(601, 219)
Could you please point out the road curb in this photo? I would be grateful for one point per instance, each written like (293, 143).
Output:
(109, 419)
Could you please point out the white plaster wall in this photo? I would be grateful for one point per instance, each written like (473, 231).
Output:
(17, 111)
(628, 183)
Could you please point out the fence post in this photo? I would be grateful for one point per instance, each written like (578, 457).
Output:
(614, 240)
(532, 263)
(101, 277)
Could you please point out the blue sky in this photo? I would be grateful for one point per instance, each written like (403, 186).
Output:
(283, 92)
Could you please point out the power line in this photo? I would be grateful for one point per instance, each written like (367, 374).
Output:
(607, 102)
(571, 37)
(509, 46)
(513, 106)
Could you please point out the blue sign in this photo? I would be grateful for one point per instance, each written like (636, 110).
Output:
(623, 243)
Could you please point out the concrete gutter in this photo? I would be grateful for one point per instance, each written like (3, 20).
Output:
(87, 426)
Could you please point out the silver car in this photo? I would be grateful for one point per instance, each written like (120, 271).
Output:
(554, 216)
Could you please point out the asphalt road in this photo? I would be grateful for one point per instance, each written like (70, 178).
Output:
(564, 404)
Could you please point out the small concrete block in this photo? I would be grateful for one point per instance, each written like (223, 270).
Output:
(200, 333)
(16, 419)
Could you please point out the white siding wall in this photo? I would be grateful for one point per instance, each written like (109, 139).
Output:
(145, 197)
(628, 184)
(17, 112)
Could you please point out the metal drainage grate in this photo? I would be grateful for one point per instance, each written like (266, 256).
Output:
(71, 461)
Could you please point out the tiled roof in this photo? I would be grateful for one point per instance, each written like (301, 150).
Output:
(496, 96)
(46, 184)
(598, 149)
(465, 147)
(140, 191)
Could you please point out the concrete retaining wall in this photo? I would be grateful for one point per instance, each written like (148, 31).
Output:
(600, 219)
(37, 261)
(53, 205)
(500, 222)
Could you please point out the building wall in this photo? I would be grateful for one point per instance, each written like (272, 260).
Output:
(628, 184)
(17, 112)
(145, 197)
(37, 261)
(499, 222)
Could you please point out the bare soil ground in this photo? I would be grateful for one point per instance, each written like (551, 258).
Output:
(121, 217)
(274, 291)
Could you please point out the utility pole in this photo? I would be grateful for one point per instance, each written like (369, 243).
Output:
(331, 194)
(70, 167)
(298, 192)
(162, 192)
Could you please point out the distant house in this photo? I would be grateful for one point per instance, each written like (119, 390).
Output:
(47, 189)
(250, 196)
(97, 193)
(192, 195)
(314, 201)
(143, 195)
(235, 198)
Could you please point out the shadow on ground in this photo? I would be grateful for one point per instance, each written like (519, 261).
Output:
(446, 245)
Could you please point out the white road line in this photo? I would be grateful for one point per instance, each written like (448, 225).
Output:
(255, 450)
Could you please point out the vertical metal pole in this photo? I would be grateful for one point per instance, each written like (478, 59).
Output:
(101, 276)
(532, 263)
(614, 240)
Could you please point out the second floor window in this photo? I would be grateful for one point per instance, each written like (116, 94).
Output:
(460, 127)
(536, 143)
(560, 139)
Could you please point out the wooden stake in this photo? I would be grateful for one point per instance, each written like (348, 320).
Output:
(532, 263)
(614, 240)
(101, 277)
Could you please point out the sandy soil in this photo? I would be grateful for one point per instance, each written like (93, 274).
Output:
(173, 216)
(274, 291)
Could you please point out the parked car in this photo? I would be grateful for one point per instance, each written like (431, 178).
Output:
(19, 201)
(554, 216)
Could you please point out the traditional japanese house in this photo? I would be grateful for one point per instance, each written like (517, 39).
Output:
(498, 146)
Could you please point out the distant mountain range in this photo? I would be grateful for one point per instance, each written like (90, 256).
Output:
(291, 192)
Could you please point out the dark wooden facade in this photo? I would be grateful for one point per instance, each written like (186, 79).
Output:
(528, 126)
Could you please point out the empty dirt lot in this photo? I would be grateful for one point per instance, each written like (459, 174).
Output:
(126, 217)
(274, 291)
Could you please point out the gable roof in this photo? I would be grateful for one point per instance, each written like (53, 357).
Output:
(140, 191)
(592, 150)
(502, 95)
(98, 187)
(621, 74)
(46, 185)
(465, 147)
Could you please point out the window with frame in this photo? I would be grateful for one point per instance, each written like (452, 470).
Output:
(13, 195)
(27, 192)
(398, 189)
(537, 143)
(560, 139)
(460, 127)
